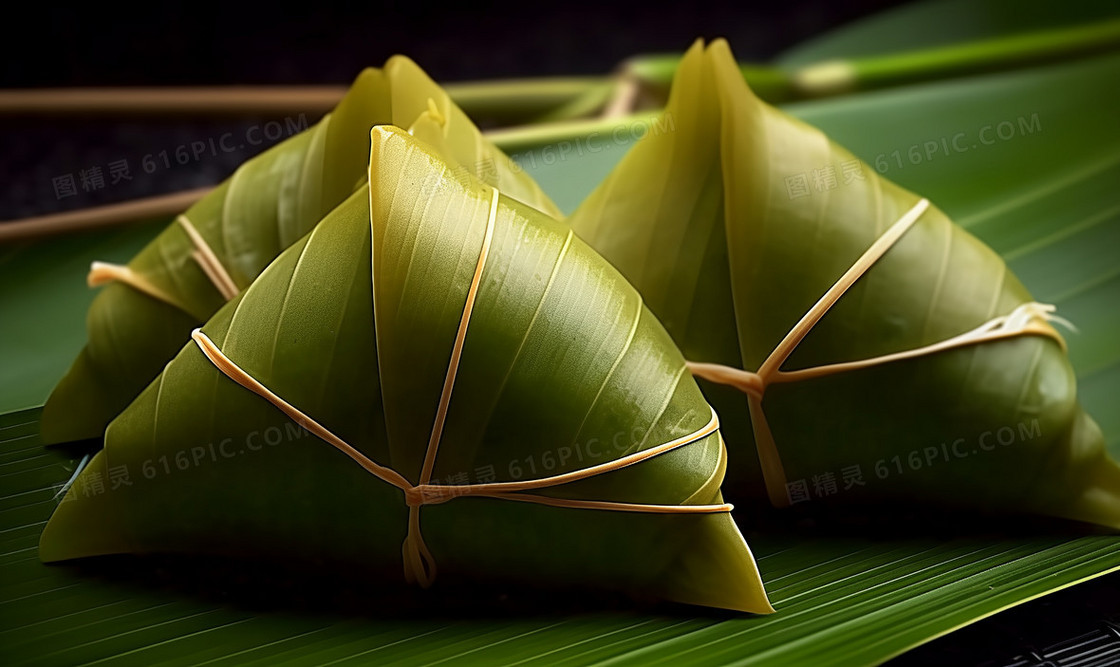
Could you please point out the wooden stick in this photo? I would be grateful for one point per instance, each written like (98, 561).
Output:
(508, 139)
(135, 210)
(519, 97)
(186, 100)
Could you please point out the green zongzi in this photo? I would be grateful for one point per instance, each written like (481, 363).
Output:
(432, 354)
(870, 350)
(219, 246)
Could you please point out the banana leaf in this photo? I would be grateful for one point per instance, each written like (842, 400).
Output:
(225, 240)
(757, 216)
(1044, 201)
(556, 356)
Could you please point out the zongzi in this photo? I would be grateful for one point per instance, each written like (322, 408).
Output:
(432, 353)
(219, 246)
(859, 341)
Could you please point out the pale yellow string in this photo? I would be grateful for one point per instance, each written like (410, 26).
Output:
(433, 114)
(1028, 318)
(419, 564)
(208, 261)
(624, 99)
(416, 555)
(101, 273)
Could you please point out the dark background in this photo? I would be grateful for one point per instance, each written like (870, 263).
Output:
(168, 43)
(101, 44)
(161, 44)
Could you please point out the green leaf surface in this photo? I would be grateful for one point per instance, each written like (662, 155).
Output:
(1045, 200)
(841, 600)
(44, 303)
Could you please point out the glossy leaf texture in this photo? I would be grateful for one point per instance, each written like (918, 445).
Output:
(757, 215)
(562, 368)
(269, 203)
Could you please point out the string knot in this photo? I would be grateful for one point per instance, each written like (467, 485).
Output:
(414, 496)
(419, 565)
(429, 494)
(1027, 318)
(748, 382)
(1034, 311)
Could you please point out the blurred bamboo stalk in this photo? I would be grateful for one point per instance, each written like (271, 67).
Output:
(990, 55)
(834, 77)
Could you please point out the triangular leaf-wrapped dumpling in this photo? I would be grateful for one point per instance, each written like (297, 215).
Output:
(484, 351)
(977, 406)
(219, 246)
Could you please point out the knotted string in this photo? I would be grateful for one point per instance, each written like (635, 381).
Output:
(1028, 318)
(419, 564)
